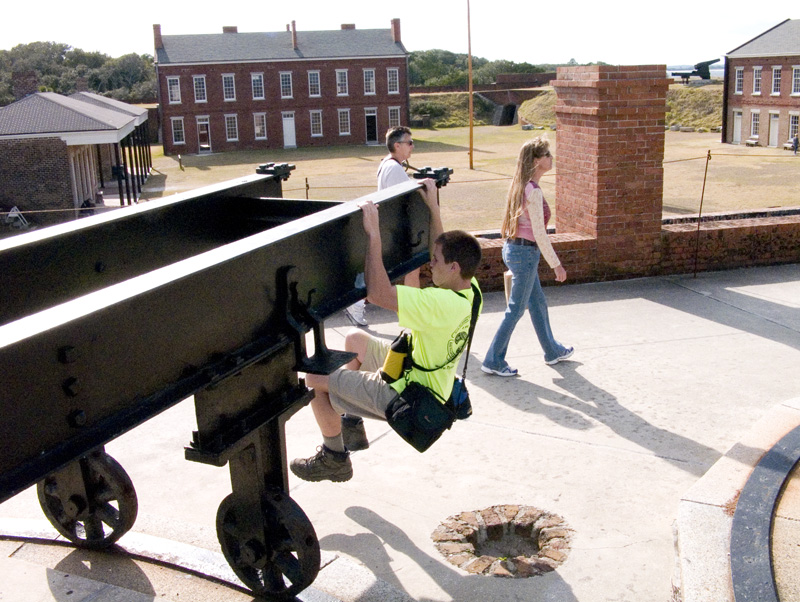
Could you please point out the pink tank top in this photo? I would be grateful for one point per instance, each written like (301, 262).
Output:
(524, 228)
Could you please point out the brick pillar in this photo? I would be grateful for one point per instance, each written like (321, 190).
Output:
(610, 124)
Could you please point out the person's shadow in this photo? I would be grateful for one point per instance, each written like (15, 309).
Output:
(374, 549)
(584, 403)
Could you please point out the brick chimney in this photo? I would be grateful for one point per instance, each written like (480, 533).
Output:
(348, 25)
(294, 36)
(230, 29)
(396, 31)
(24, 83)
(157, 41)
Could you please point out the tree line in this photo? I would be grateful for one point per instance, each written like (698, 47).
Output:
(131, 78)
(444, 68)
(63, 69)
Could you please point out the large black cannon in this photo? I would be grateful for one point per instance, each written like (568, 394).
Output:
(701, 70)
(108, 320)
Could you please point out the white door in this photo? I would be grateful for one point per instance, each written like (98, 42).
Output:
(773, 129)
(203, 135)
(737, 127)
(289, 137)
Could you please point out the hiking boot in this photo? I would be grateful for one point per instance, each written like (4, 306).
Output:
(326, 465)
(355, 313)
(353, 433)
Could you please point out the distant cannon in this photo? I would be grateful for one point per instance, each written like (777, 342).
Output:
(701, 70)
(109, 320)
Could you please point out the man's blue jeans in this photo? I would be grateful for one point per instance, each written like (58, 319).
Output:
(526, 292)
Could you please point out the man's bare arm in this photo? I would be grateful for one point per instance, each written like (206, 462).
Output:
(380, 290)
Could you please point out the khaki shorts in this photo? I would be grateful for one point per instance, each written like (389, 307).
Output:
(363, 392)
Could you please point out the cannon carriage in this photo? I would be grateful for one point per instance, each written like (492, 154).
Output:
(108, 320)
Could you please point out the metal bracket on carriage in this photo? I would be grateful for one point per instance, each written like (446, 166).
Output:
(300, 321)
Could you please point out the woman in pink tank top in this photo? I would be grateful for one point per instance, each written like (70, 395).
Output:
(525, 232)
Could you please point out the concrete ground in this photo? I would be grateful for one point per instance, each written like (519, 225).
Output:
(669, 374)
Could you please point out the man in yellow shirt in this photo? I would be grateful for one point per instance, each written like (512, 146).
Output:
(439, 319)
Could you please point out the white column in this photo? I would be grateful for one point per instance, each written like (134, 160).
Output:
(73, 177)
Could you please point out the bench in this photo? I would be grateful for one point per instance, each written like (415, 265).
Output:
(789, 145)
(751, 142)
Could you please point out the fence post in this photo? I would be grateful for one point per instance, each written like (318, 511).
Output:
(700, 216)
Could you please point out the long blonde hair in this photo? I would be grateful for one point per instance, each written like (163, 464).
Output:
(529, 154)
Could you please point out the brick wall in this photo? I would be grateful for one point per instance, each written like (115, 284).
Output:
(610, 123)
(34, 176)
(610, 188)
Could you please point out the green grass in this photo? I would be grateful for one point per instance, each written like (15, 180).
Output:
(540, 110)
(451, 109)
(697, 107)
(688, 106)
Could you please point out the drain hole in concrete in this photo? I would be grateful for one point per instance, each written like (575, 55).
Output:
(504, 541)
(508, 547)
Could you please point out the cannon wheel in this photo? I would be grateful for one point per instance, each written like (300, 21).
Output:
(108, 513)
(286, 563)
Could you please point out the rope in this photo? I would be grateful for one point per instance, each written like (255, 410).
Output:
(456, 182)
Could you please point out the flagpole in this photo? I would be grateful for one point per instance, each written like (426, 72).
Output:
(469, 63)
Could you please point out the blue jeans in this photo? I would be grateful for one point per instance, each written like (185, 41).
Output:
(526, 292)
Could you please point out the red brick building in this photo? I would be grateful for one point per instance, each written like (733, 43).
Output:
(244, 91)
(761, 105)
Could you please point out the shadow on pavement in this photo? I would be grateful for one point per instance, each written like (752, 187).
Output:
(374, 551)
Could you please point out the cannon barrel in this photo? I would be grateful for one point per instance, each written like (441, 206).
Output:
(108, 320)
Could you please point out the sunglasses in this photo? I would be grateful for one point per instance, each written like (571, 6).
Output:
(409, 142)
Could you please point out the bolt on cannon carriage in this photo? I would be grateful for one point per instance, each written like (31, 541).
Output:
(108, 320)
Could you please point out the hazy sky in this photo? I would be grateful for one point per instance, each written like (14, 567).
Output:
(614, 31)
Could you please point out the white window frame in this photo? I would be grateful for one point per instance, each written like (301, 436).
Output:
(755, 123)
(285, 81)
(315, 123)
(174, 85)
(342, 87)
(344, 122)
(756, 81)
(200, 79)
(314, 85)
(794, 124)
(181, 129)
(259, 119)
(393, 80)
(232, 118)
(795, 80)
(738, 81)
(394, 117)
(370, 88)
(776, 80)
(256, 82)
(228, 91)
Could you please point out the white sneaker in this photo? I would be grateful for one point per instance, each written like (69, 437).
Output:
(565, 356)
(507, 371)
(355, 313)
